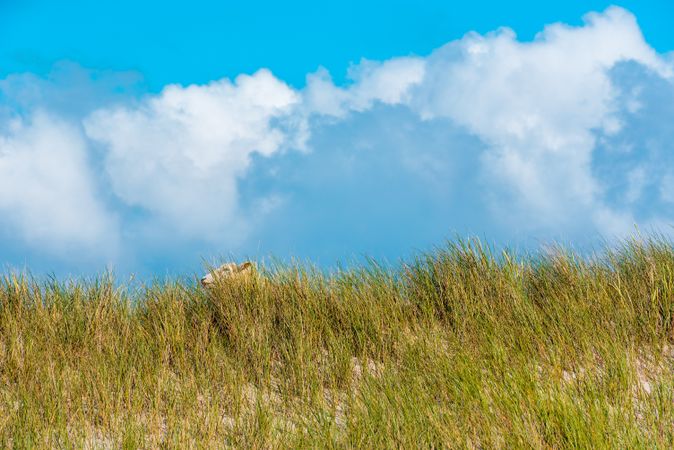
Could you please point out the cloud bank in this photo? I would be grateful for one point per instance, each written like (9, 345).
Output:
(47, 193)
(565, 136)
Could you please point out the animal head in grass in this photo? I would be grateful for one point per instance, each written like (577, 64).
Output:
(227, 270)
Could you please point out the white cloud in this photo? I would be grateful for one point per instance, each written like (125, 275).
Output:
(179, 154)
(387, 82)
(47, 194)
(538, 105)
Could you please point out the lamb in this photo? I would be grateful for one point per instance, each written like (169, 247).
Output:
(227, 270)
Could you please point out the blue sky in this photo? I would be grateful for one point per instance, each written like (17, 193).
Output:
(171, 42)
(151, 137)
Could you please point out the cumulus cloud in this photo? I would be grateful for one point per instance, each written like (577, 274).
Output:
(180, 154)
(387, 82)
(47, 194)
(538, 105)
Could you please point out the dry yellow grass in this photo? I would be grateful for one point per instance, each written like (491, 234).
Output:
(459, 348)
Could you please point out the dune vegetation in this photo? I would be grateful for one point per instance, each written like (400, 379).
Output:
(463, 347)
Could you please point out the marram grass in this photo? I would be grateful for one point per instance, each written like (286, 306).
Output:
(460, 348)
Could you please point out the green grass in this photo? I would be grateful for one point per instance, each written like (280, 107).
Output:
(460, 348)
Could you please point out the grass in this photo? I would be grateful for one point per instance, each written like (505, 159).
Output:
(459, 348)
